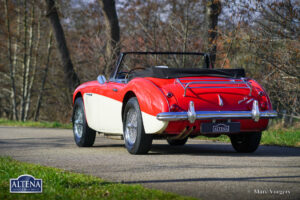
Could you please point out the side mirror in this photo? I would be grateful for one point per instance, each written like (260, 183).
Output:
(101, 79)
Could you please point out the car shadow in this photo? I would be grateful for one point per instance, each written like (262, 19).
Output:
(206, 148)
(25, 143)
(223, 150)
(108, 145)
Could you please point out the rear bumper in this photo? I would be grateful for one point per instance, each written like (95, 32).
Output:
(206, 115)
(193, 115)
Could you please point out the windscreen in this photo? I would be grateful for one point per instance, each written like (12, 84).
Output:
(132, 61)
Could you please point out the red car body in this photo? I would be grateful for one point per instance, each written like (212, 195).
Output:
(177, 106)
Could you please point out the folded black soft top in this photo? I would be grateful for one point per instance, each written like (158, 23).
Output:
(169, 73)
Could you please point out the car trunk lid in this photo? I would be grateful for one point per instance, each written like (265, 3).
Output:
(208, 93)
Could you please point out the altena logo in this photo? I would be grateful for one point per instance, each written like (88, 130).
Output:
(26, 184)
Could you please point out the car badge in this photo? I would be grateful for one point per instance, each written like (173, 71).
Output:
(220, 101)
(241, 101)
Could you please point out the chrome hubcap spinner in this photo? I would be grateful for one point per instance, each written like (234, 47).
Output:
(78, 123)
(131, 126)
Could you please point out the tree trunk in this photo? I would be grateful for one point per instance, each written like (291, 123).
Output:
(17, 37)
(186, 32)
(33, 74)
(28, 64)
(11, 66)
(40, 97)
(70, 76)
(112, 32)
(213, 10)
(24, 66)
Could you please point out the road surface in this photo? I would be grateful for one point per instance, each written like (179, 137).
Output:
(202, 169)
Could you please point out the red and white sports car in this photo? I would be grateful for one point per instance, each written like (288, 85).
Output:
(172, 96)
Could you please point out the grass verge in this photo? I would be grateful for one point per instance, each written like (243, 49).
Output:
(60, 184)
(280, 137)
(6, 122)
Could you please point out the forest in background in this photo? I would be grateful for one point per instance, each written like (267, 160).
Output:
(38, 71)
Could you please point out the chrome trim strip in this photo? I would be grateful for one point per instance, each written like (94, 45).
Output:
(207, 115)
(248, 84)
(220, 100)
(177, 80)
(241, 101)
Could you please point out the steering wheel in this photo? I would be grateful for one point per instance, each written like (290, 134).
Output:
(120, 74)
(138, 68)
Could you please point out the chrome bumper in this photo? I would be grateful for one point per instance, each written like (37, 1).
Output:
(192, 115)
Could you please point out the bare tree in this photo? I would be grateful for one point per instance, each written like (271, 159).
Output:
(18, 35)
(33, 74)
(213, 10)
(112, 31)
(28, 67)
(70, 76)
(24, 64)
(280, 29)
(41, 93)
(12, 77)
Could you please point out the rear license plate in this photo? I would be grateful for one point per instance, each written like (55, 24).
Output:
(226, 127)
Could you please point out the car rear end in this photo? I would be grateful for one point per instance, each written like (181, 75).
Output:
(214, 106)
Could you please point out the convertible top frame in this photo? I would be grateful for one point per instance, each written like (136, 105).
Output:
(123, 54)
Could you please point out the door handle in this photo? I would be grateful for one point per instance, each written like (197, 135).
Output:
(115, 89)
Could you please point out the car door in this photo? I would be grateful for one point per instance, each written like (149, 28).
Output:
(104, 108)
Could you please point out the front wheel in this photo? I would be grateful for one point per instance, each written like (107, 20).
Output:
(84, 136)
(136, 140)
(245, 142)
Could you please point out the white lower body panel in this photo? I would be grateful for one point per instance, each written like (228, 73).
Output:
(104, 115)
(153, 125)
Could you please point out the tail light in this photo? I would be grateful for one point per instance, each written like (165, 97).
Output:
(174, 108)
(264, 104)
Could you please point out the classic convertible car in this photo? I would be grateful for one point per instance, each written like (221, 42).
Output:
(172, 96)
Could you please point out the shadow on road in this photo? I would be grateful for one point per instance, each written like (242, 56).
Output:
(32, 143)
(274, 179)
(202, 149)
(108, 146)
(223, 150)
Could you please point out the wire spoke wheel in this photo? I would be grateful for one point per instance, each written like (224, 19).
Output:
(84, 136)
(78, 123)
(131, 126)
(136, 140)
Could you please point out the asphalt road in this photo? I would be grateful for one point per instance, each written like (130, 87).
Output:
(201, 169)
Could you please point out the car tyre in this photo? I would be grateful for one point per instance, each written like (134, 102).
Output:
(245, 142)
(135, 138)
(173, 142)
(84, 136)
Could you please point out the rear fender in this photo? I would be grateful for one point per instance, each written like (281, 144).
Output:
(151, 101)
(258, 88)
